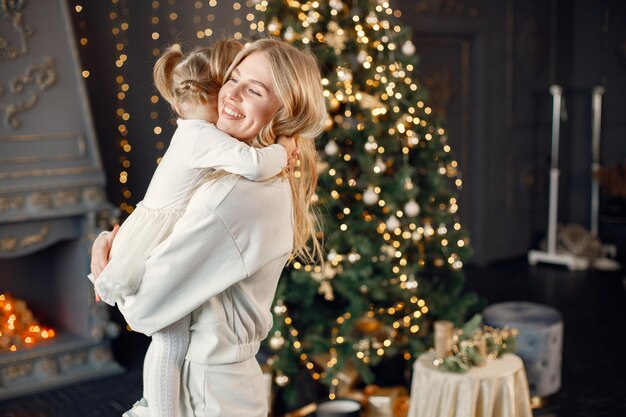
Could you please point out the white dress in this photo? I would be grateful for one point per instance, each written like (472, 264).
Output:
(196, 147)
(220, 266)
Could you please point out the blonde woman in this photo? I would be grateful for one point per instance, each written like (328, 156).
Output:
(190, 83)
(222, 261)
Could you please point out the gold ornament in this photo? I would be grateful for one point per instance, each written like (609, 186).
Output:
(274, 26)
(326, 290)
(368, 325)
(369, 101)
(337, 42)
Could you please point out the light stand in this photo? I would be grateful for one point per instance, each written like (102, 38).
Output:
(551, 256)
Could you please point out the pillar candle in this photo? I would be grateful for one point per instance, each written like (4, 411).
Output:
(444, 330)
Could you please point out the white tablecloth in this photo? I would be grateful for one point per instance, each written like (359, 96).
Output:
(498, 389)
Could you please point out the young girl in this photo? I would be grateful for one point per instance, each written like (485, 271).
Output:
(190, 83)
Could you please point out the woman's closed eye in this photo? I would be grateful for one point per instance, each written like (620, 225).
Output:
(250, 90)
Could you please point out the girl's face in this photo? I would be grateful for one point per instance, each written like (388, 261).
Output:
(247, 101)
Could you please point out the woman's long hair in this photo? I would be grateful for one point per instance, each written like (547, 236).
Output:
(297, 84)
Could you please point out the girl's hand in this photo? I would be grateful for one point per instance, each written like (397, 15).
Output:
(289, 143)
(100, 251)
(292, 160)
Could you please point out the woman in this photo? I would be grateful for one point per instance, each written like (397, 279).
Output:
(225, 255)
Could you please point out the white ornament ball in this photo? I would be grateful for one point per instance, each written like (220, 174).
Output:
(344, 75)
(289, 34)
(361, 57)
(280, 309)
(380, 165)
(408, 48)
(331, 148)
(371, 18)
(281, 380)
(277, 341)
(411, 208)
(392, 223)
(371, 146)
(336, 4)
(370, 197)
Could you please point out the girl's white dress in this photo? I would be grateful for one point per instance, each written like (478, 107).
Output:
(196, 147)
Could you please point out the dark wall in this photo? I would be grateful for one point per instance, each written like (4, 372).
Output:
(598, 58)
(488, 65)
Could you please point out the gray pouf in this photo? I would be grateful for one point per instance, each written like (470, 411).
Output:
(539, 342)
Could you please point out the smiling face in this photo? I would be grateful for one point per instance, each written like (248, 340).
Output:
(247, 101)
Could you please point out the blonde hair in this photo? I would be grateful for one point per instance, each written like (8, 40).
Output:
(298, 86)
(196, 76)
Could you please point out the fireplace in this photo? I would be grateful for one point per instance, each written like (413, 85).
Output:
(52, 201)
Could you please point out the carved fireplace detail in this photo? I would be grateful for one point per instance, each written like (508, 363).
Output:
(51, 199)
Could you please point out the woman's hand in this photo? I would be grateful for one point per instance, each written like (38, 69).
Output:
(293, 153)
(100, 251)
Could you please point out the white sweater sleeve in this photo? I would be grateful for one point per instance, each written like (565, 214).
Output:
(216, 149)
(197, 261)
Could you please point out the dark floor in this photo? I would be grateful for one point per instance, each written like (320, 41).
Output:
(593, 305)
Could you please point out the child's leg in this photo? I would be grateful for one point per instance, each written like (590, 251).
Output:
(147, 361)
(162, 370)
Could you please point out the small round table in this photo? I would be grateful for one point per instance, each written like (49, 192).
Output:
(497, 389)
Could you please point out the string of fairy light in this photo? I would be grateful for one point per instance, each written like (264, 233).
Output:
(155, 35)
(119, 27)
(391, 230)
(81, 33)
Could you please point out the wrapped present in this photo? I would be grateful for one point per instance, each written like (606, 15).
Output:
(386, 401)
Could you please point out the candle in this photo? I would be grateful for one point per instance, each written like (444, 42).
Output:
(379, 406)
(482, 349)
(443, 338)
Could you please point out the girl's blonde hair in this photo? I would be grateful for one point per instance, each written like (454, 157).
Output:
(196, 76)
(297, 83)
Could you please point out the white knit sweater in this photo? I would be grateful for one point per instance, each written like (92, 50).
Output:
(221, 264)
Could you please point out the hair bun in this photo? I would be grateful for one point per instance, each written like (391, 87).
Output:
(192, 86)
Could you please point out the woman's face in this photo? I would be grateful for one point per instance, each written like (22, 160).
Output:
(247, 101)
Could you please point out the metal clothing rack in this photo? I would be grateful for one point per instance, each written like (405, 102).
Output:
(596, 109)
(550, 255)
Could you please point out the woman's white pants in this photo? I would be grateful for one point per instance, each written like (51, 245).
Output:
(226, 390)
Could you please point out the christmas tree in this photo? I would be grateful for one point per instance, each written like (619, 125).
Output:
(387, 190)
